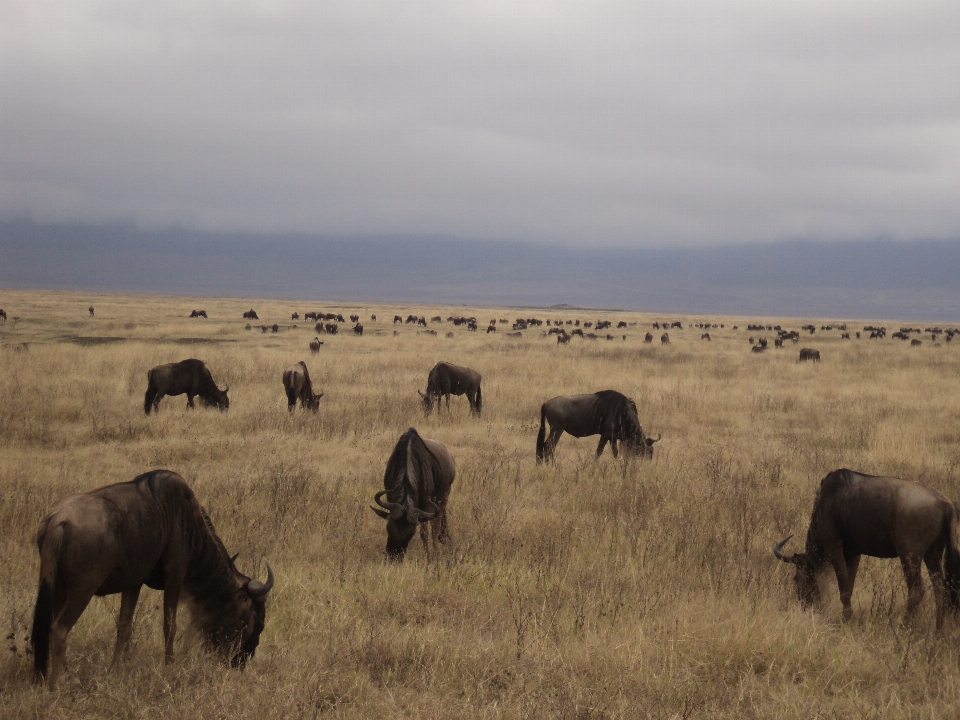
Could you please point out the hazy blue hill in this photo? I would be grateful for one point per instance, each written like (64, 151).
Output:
(877, 279)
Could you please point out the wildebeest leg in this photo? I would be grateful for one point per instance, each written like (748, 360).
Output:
(171, 598)
(613, 447)
(442, 533)
(844, 583)
(189, 400)
(447, 395)
(932, 561)
(602, 445)
(128, 603)
(911, 573)
(551, 442)
(65, 617)
(423, 537)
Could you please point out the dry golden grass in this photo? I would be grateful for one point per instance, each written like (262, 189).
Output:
(587, 589)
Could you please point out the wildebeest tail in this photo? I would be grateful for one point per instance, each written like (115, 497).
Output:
(479, 399)
(151, 393)
(43, 610)
(952, 559)
(543, 432)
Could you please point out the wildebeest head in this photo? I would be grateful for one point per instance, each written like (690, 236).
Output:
(237, 634)
(805, 577)
(406, 472)
(314, 402)
(217, 398)
(428, 400)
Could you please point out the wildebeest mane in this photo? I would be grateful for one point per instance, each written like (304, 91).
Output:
(410, 457)
(622, 409)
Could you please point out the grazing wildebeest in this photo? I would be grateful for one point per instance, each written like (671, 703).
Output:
(296, 316)
(90, 310)
(809, 354)
(331, 328)
(310, 316)
(856, 514)
(3, 314)
(608, 413)
(491, 328)
(373, 318)
(198, 314)
(622, 324)
(315, 345)
(187, 376)
(705, 336)
(665, 339)
(916, 342)
(297, 385)
(563, 339)
(275, 327)
(251, 314)
(358, 329)
(354, 318)
(758, 348)
(648, 337)
(148, 531)
(417, 482)
(338, 318)
(447, 379)
(397, 319)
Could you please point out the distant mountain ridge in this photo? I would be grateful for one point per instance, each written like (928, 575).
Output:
(871, 279)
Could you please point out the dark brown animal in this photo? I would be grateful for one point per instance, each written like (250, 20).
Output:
(417, 482)
(315, 345)
(198, 314)
(447, 379)
(297, 385)
(607, 413)
(809, 354)
(358, 329)
(251, 314)
(90, 310)
(648, 337)
(665, 339)
(856, 514)
(3, 315)
(296, 316)
(187, 376)
(148, 531)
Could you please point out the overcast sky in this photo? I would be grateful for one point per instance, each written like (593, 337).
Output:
(634, 123)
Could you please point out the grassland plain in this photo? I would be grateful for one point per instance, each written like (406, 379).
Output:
(585, 589)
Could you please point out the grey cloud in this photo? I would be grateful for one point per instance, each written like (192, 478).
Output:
(593, 123)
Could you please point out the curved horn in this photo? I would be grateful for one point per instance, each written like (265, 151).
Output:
(424, 515)
(651, 441)
(421, 394)
(396, 509)
(778, 551)
(320, 395)
(259, 590)
(226, 390)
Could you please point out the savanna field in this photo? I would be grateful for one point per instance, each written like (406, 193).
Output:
(583, 589)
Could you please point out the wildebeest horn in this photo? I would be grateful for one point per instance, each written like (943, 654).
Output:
(234, 558)
(396, 510)
(651, 441)
(320, 395)
(778, 551)
(226, 390)
(429, 514)
(421, 394)
(259, 590)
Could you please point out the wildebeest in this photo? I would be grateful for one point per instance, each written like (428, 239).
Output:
(665, 339)
(417, 482)
(354, 318)
(148, 531)
(358, 329)
(397, 319)
(3, 314)
(90, 310)
(331, 328)
(373, 318)
(856, 514)
(491, 328)
(310, 316)
(648, 337)
(275, 328)
(198, 314)
(251, 314)
(916, 342)
(297, 385)
(608, 413)
(187, 376)
(447, 379)
(809, 354)
(705, 336)
(296, 316)
(315, 345)
(563, 339)
(758, 348)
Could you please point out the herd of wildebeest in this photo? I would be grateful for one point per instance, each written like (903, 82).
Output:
(152, 530)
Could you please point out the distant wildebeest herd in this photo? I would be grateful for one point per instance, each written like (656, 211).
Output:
(152, 530)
